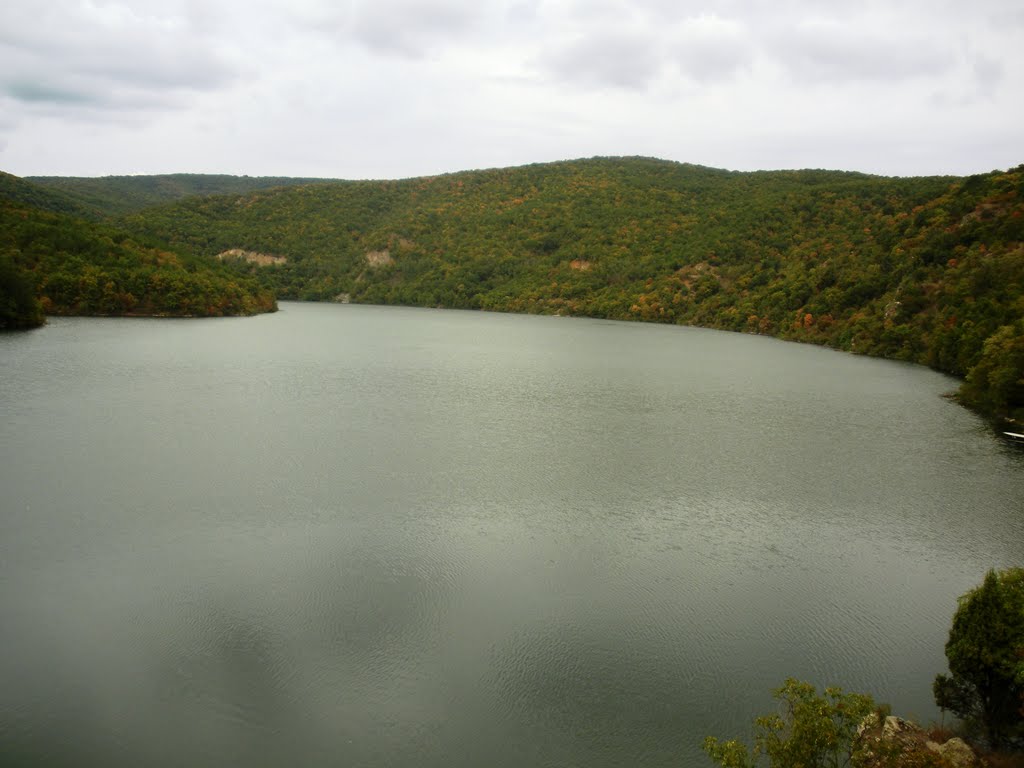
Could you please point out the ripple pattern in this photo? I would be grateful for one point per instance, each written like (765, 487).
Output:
(368, 536)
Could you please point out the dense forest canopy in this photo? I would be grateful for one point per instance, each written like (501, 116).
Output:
(926, 269)
(56, 264)
(16, 190)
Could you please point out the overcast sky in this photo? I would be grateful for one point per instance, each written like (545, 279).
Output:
(398, 88)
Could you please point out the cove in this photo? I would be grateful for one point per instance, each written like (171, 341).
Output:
(364, 536)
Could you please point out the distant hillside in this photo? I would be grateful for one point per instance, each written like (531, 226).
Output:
(117, 195)
(56, 264)
(929, 270)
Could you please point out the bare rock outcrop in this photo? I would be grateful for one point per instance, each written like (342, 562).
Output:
(956, 752)
(379, 258)
(259, 259)
(898, 743)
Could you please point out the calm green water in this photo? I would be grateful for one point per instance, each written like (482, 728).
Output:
(365, 536)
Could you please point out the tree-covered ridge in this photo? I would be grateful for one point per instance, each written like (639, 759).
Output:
(116, 195)
(920, 269)
(18, 190)
(53, 264)
(600, 229)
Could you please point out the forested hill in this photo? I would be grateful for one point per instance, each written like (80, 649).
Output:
(114, 195)
(929, 270)
(18, 190)
(54, 263)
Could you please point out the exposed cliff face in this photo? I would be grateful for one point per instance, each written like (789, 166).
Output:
(379, 258)
(259, 259)
(898, 743)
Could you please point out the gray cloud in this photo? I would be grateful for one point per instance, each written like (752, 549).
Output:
(712, 50)
(99, 56)
(1007, 13)
(988, 72)
(522, 11)
(626, 45)
(295, 86)
(39, 93)
(412, 28)
(621, 60)
(830, 52)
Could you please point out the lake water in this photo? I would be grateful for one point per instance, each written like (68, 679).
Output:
(368, 536)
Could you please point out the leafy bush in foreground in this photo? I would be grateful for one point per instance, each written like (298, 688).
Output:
(812, 731)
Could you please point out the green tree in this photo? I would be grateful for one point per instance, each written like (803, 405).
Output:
(19, 307)
(997, 382)
(985, 652)
(811, 731)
